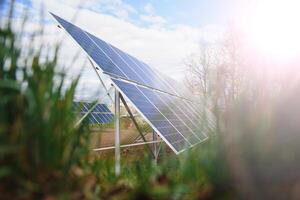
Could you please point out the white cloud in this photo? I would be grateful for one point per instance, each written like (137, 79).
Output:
(154, 20)
(163, 48)
(149, 9)
(117, 8)
(151, 18)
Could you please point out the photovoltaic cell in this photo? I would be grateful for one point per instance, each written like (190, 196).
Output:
(99, 115)
(184, 112)
(162, 105)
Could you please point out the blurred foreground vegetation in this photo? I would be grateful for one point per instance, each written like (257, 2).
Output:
(254, 154)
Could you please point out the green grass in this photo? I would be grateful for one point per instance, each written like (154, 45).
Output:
(39, 144)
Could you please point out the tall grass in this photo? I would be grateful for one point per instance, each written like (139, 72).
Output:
(39, 144)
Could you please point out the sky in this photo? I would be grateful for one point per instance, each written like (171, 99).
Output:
(162, 33)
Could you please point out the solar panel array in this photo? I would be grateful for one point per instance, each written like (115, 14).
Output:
(99, 115)
(161, 100)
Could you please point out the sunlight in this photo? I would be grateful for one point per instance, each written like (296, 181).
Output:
(274, 28)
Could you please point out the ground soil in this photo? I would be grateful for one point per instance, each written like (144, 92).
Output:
(106, 137)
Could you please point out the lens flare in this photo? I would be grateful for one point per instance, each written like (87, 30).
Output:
(274, 28)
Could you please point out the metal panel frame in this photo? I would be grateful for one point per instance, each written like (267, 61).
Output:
(130, 145)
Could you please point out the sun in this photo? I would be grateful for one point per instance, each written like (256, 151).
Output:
(274, 28)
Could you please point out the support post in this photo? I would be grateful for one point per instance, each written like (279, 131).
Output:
(117, 133)
(101, 81)
(154, 138)
(136, 124)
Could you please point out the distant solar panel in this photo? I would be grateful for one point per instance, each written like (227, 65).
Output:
(99, 115)
(161, 100)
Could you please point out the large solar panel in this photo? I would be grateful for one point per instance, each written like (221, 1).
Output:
(161, 100)
(117, 63)
(99, 115)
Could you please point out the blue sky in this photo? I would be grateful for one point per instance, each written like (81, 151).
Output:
(195, 13)
(189, 12)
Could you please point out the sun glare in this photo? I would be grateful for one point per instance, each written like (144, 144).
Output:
(274, 28)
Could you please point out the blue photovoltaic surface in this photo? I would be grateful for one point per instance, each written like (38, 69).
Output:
(100, 115)
(175, 120)
(117, 63)
(164, 127)
(163, 102)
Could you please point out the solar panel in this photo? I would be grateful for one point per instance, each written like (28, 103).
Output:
(174, 119)
(117, 63)
(99, 115)
(155, 118)
(161, 100)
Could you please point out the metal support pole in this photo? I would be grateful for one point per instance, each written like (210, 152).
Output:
(102, 82)
(117, 133)
(136, 124)
(139, 137)
(127, 145)
(154, 138)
